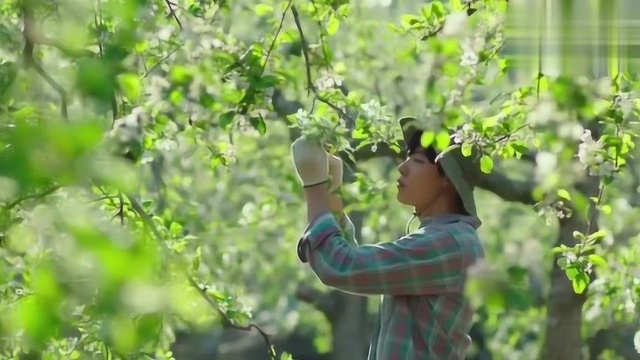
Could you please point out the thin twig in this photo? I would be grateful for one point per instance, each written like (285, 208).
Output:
(226, 322)
(321, 32)
(161, 61)
(305, 52)
(508, 136)
(119, 206)
(305, 49)
(273, 43)
(99, 24)
(172, 13)
(106, 197)
(17, 202)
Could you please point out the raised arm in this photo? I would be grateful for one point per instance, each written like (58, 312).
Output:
(430, 261)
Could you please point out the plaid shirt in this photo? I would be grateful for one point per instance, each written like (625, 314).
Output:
(421, 277)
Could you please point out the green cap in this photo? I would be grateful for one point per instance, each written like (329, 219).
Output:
(452, 163)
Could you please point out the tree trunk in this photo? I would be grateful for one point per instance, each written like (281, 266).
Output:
(350, 338)
(563, 335)
(349, 323)
(347, 314)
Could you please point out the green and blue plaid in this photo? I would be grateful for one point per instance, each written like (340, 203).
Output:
(421, 277)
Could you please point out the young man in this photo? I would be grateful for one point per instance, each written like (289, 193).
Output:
(421, 276)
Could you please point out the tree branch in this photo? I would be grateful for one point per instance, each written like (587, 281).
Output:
(40, 195)
(322, 301)
(172, 13)
(202, 290)
(507, 188)
(275, 37)
(310, 85)
(496, 182)
(29, 34)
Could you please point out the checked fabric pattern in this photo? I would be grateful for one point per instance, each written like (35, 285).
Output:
(420, 276)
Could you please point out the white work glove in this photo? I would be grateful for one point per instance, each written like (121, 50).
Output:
(311, 162)
(335, 173)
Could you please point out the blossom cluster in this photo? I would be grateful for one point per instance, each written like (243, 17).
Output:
(593, 156)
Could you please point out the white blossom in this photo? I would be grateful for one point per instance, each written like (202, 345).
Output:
(543, 113)
(547, 163)
(157, 87)
(469, 58)
(589, 149)
(456, 24)
(373, 111)
(328, 80)
(303, 117)
(569, 130)
(128, 129)
(626, 103)
(466, 134)
(455, 96)
(591, 155)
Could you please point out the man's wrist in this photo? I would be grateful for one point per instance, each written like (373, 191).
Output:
(335, 203)
(315, 183)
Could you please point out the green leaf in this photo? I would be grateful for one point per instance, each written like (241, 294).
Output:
(427, 138)
(409, 20)
(442, 140)
(562, 263)
(598, 234)
(226, 119)
(181, 75)
(289, 36)
(175, 228)
(521, 148)
(258, 123)
(333, 25)
(265, 82)
(597, 260)
(572, 272)
(486, 164)
(564, 194)
(195, 264)
(437, 9)
(96, 78)
(130, 86)
(467, 149)
(517, 274)
(263, 9)
(580, 282)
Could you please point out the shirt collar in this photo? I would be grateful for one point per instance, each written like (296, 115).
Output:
(450, 218)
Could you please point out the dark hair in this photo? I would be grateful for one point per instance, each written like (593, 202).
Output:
(415, 145)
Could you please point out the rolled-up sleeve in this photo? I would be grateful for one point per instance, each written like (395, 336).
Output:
(429, 261)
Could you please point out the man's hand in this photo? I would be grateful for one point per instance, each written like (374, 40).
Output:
(311, 162)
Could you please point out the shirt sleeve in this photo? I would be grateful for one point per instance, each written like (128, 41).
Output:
(426, 262)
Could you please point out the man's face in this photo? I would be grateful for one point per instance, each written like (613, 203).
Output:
(420, 184)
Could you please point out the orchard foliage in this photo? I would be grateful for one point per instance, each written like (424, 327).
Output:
(116, 114)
